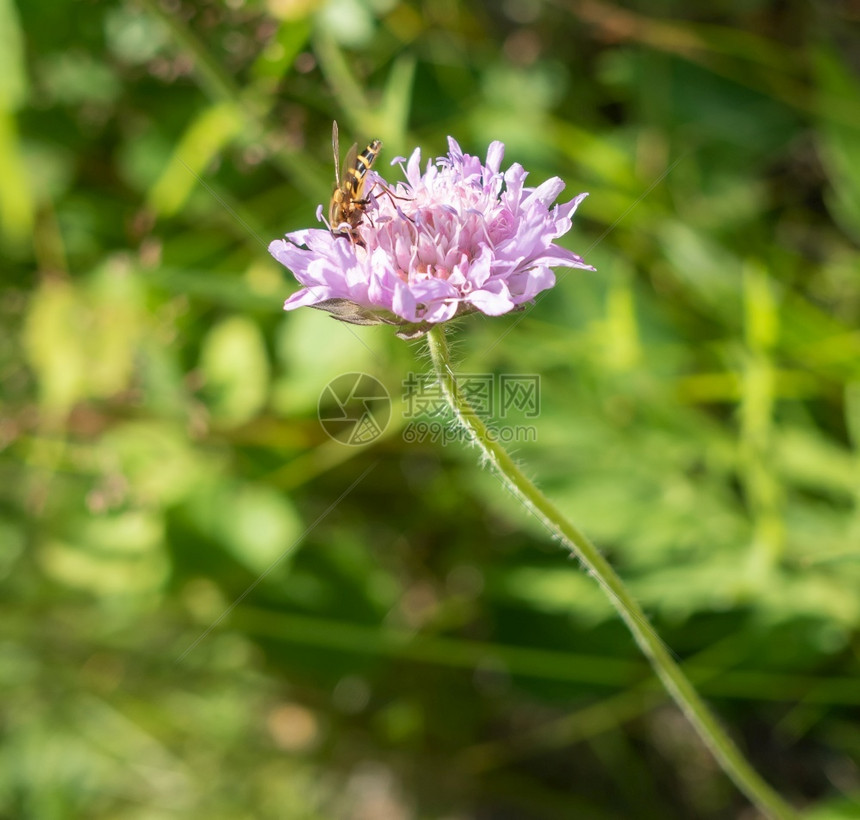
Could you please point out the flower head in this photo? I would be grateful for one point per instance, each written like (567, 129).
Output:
(459, 238)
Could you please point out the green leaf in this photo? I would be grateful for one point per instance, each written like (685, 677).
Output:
(235, 367)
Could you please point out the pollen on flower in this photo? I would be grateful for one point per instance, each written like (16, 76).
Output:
(461, 237)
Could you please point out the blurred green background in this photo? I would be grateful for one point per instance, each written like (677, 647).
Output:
(201, 619)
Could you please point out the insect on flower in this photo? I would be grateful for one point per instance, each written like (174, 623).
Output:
(347, 201)
(460, 236)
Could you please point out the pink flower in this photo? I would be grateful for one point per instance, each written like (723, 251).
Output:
(462, 237)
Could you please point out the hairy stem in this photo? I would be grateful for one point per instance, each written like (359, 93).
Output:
(676, 682)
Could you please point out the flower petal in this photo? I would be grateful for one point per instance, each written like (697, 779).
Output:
(403, 303)
(494, 299)
(307, 297)
(545, 193)
(495, 154)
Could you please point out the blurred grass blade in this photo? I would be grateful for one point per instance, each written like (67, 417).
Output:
(397, 99)
(852, 417)
(207, 135)
(16, 199)
(762, 318)
(277, 58)
(13, 77)
(349, 94)
(839, 135)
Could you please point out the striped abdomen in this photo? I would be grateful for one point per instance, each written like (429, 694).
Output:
(347, 202)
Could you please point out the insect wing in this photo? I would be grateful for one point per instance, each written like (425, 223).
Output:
(348, 174)
(335, 149)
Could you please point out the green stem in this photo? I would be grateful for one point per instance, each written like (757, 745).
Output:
(679, 687)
